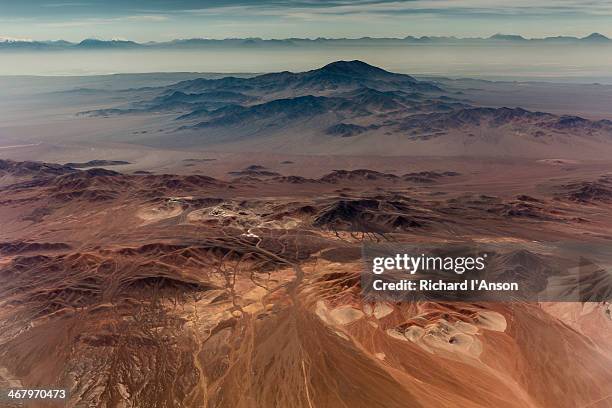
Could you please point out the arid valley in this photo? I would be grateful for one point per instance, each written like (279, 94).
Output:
(195, 240)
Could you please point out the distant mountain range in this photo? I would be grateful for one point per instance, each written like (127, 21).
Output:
(354, 107)
(96, 44)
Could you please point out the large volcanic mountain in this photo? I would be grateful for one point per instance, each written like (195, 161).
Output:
(350, 107)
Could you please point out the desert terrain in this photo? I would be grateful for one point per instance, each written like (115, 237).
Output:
(196, 241)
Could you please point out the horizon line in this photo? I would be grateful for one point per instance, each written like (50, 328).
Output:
(497, 36)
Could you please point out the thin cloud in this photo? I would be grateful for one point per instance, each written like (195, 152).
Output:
(149, 18)
(105, 21)
(55, 5)
(305, 9)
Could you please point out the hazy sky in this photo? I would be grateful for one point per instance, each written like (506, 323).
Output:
(157, 20)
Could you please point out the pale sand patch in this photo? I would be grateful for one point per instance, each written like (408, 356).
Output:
(322, 311)
(242, 217)
(466, 327)
(414, 333)
(168, 210)
(396, 334)
(209, 213)
(344, 315)
(457, 343)
(458, 337)
(255, 294)
(340, 334)
(253, 308)
(9, 379)
(490, 320)
(252, 300)
(198, 215)
(445, 336)
(284, 223)
(381, 310)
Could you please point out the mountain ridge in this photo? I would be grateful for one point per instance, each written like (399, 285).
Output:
(95, 44)
(352, 105)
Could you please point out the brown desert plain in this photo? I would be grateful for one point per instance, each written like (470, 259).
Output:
(198, 242)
